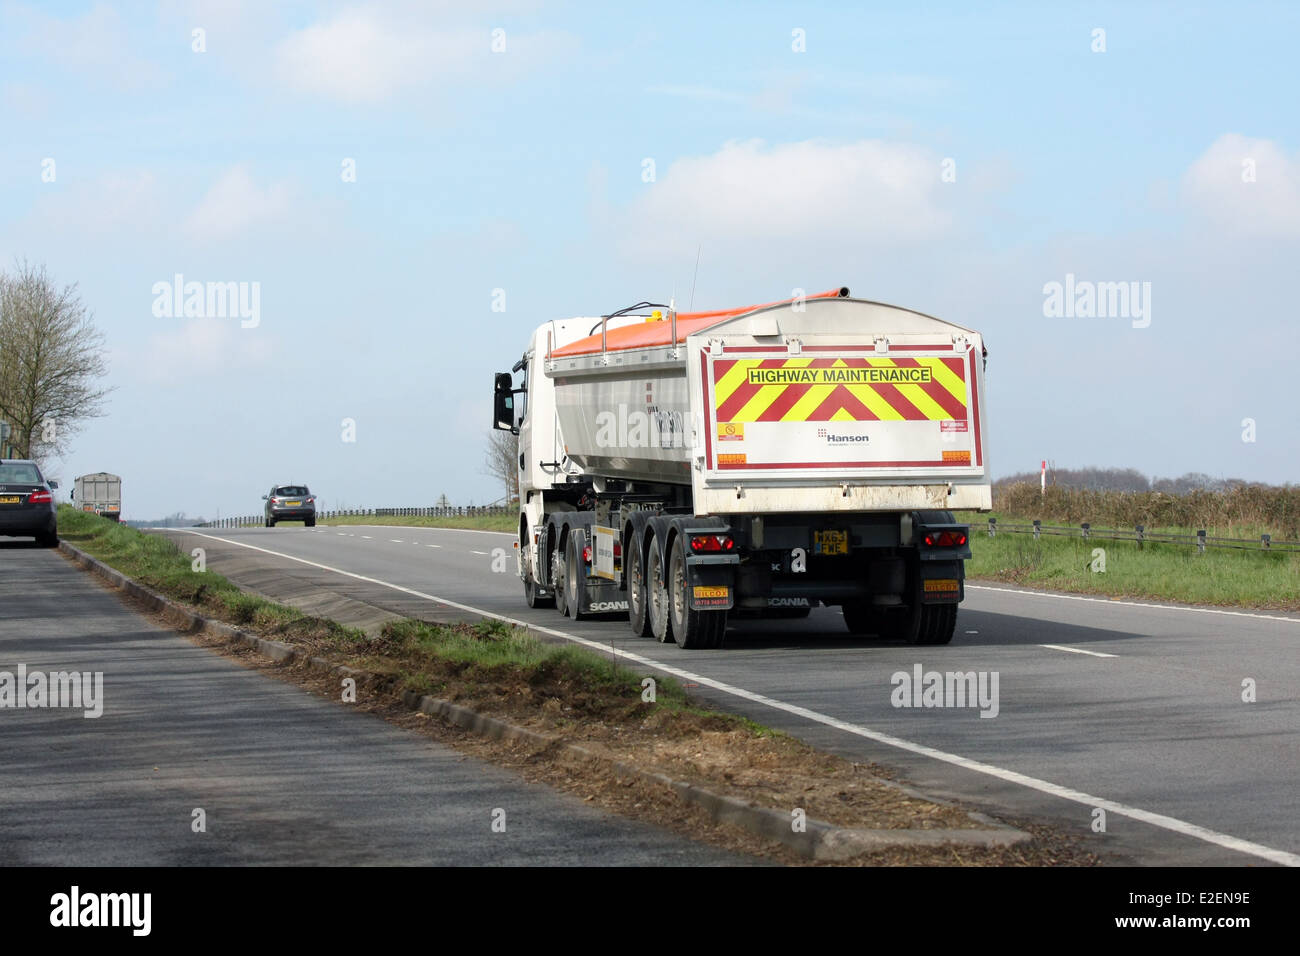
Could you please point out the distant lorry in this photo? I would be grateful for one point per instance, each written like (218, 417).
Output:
(764, 459)
(100, 493)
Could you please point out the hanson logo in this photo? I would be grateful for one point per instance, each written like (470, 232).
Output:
(833, 439)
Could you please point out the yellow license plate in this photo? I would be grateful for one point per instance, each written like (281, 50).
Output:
(702, 591)
(941, 584)
(830, 542)
(9, 499)
(292, 504)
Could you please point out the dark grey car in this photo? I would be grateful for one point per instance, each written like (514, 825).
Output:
(26, 505)
(289, 503)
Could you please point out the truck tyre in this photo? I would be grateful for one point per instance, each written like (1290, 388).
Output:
(558, 582)
(692, 629)
(657, 598)
(575, 578)
(938, 621)
(532, 592)
(637, 616)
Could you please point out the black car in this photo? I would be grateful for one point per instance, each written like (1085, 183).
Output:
(290, 503)
(26, 506)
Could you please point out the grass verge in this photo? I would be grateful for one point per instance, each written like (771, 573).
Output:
(1172, 572)
(582, 696)
(506, 523)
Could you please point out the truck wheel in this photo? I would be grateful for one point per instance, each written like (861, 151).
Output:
(531, 595)
(575, 578)
(693, 629)
(636, 591)
(938, 621)
(558, 582)
(657, 598)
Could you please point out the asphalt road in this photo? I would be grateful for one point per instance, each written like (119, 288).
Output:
(282, 776)
(1135, 710)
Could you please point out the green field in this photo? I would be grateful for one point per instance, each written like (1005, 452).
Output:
(1172, 572)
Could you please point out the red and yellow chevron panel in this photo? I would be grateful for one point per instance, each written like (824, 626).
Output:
(840, 389)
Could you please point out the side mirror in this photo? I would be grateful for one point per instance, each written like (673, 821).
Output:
(503, 405)
(263, 497)
(53, 484)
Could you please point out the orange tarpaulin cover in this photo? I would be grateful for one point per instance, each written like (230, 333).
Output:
(651, 333)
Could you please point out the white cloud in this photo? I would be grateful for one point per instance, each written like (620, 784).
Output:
(868, 191)
(234, 204)
(95, 42)
(1217, 186)
(370, 55)
(115, 203)
(197, 348)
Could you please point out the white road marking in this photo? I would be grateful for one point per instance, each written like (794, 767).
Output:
(396, 540)
(366, 536)
(1076, 650)
(340, 534)
(433, 546)
(484, 553)
(1225, 840)
(1160, 607)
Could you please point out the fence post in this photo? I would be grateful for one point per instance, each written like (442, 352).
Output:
(1265, 541)
(1200, 541)
(993, 527)
(1085, 526)
(1141, 533)
(1038, 528)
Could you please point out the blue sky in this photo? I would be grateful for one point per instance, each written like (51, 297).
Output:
(522, 170)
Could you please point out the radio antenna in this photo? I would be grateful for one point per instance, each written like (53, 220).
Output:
(691, 307)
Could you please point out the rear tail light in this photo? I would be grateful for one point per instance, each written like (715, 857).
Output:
(945, 539)
(712, 542)
(586, 554)
(40, 497)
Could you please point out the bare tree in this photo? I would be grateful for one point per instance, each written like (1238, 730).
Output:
(51, 361)
(502, 461)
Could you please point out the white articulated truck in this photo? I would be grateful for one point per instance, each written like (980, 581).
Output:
(680, 467)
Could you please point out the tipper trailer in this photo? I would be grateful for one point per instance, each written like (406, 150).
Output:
(767, 459)
(100, 493)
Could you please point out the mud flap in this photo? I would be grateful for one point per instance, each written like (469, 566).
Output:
(943, 582)
(711, 580)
